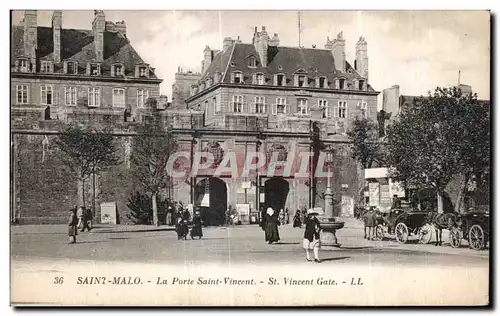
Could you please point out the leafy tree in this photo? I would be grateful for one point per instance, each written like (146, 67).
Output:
(151, 149)
(86, 152)
(365, 146)
(142, 210)
(437, 137)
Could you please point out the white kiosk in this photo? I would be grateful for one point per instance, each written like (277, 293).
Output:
(380, 189)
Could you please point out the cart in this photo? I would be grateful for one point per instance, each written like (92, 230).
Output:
(475, 228)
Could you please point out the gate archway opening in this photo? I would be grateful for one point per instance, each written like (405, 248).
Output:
(275, 194)
(211, 198)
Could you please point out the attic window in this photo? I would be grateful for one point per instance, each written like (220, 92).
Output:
(361, 84)
(237, 77)
(95, 69)
(23, 65)
(260, 79)
(217, 77)
(118, 70)
(208, 82)
(45, 66)
(71, 68)
(143, 72)
(302, 80)
(280, 80)
(322, 82)
(339, 83)
(251, 62)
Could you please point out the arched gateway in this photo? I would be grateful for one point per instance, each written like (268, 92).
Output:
(275, 193)
(211, 198)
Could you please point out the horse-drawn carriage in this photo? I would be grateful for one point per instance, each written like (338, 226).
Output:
(402, 223)
(473, 227)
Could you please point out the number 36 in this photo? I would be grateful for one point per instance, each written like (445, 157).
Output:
(58, 280)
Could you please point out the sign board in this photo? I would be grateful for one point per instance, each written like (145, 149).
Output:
(262, 198)
(373, 189)
(246, 184)
(108, 213)
(347, 206)
(385, 197)
(205, 201)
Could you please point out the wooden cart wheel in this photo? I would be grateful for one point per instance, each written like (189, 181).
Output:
(401, 233)
(476, 237)
(379, 232)
(455, 237)
(425, 234)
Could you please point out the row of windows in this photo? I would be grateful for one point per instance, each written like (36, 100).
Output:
(47, 96)
(71, 68)
(281, 106)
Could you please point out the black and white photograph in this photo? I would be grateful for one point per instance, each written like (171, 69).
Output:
(250, 158)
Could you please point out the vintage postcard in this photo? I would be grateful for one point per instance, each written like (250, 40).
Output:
(250, 158)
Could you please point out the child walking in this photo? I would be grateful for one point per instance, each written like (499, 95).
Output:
(73, 226)
(311, 235)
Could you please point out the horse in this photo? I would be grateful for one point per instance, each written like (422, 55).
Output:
(442, 221)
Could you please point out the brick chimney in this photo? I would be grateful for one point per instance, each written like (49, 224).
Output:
(275, 41)
(121, 27)
(261, 43)
(30, 36)
(56, 31)
(98, 27)
(207, 59)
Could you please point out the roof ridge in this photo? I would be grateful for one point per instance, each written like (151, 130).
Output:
(228, 62)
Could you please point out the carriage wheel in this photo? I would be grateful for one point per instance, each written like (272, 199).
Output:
(379, 232)
(425, 234)
(476, 237)
(455, 237)
(401, 233)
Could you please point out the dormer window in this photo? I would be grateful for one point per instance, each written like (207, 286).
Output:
(279, 80)
(217, 77)
(95, 69)
(361, 84)
(251, 62)
(117, 70)
(46, 66)
(339, 83)
(237, 77)
(143, 72)
(301, 81)
(323, 82)
(71, 67)
(260, 79)
(23, 65)
(208, 82)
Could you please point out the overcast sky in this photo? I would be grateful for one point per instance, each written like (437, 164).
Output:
(418, 50)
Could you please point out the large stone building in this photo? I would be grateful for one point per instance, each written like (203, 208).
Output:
(256, 97)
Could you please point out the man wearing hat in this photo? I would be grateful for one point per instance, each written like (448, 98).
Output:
(311, 235)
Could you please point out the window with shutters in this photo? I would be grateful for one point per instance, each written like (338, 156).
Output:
(22, 94)
(119, 98)
(342, 109)
(142, 96)
(237, 77)
(94, 97)
(46, 95)
(260, 105)
(118, 70)
(302, 106)
(237, 103)
(70, 95)
(363, 107)
(280, 105)
(323, 104)
(260, 79)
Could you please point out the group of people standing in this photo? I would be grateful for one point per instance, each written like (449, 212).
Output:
(79, 218)
(182, 229)
(312, 231)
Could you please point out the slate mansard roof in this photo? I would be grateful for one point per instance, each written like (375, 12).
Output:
(78, 46)
(281, 60)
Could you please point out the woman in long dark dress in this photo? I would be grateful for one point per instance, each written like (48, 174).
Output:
(271, 223)
(196, 230)
(296, 220)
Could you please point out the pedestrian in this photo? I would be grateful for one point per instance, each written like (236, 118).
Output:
(181, 229)
(79, 215)
(86, 219)
(369, 220)
(73, 225)
(196, 230)
(271, 224)
(287, 216)
(296, 220)
(282, 217)
(168, 216)
(312, 236)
